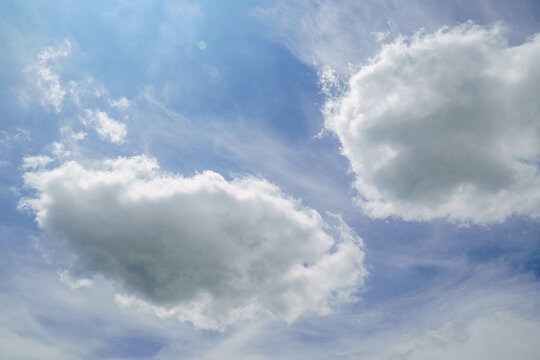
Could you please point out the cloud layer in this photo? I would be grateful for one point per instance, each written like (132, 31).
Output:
(501, 336)
(444, 125)
(205, 249)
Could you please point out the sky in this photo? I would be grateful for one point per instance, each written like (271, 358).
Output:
(270, 180)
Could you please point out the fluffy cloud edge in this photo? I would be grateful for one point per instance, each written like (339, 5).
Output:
(416, 83)
(279, 258)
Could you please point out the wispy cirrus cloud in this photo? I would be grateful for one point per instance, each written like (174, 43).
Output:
(342, 34)
(45, 82)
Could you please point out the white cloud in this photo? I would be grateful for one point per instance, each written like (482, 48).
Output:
(444, 125)
(487, 317)
(82, 91)
(18, 135)
(487, 334)
(32, 162)
(341, 33)
(121, 103)
(482, 318)
(324, 32)
(47, 82)
(79, 135)
(502, 335)
(73, 136)
(59, 150)
(204, 249)
(67, 279)
(106, 127)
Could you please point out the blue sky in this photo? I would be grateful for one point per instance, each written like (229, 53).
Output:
(241, 180)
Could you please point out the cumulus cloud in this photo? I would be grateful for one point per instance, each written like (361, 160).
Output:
(106, 127)
(444, 125)
(50, 91)
(205, 249)
(32, 162)
(121, 103)
(59, 150)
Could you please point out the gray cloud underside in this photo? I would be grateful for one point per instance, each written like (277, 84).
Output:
(204, 249)
(444, 125)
